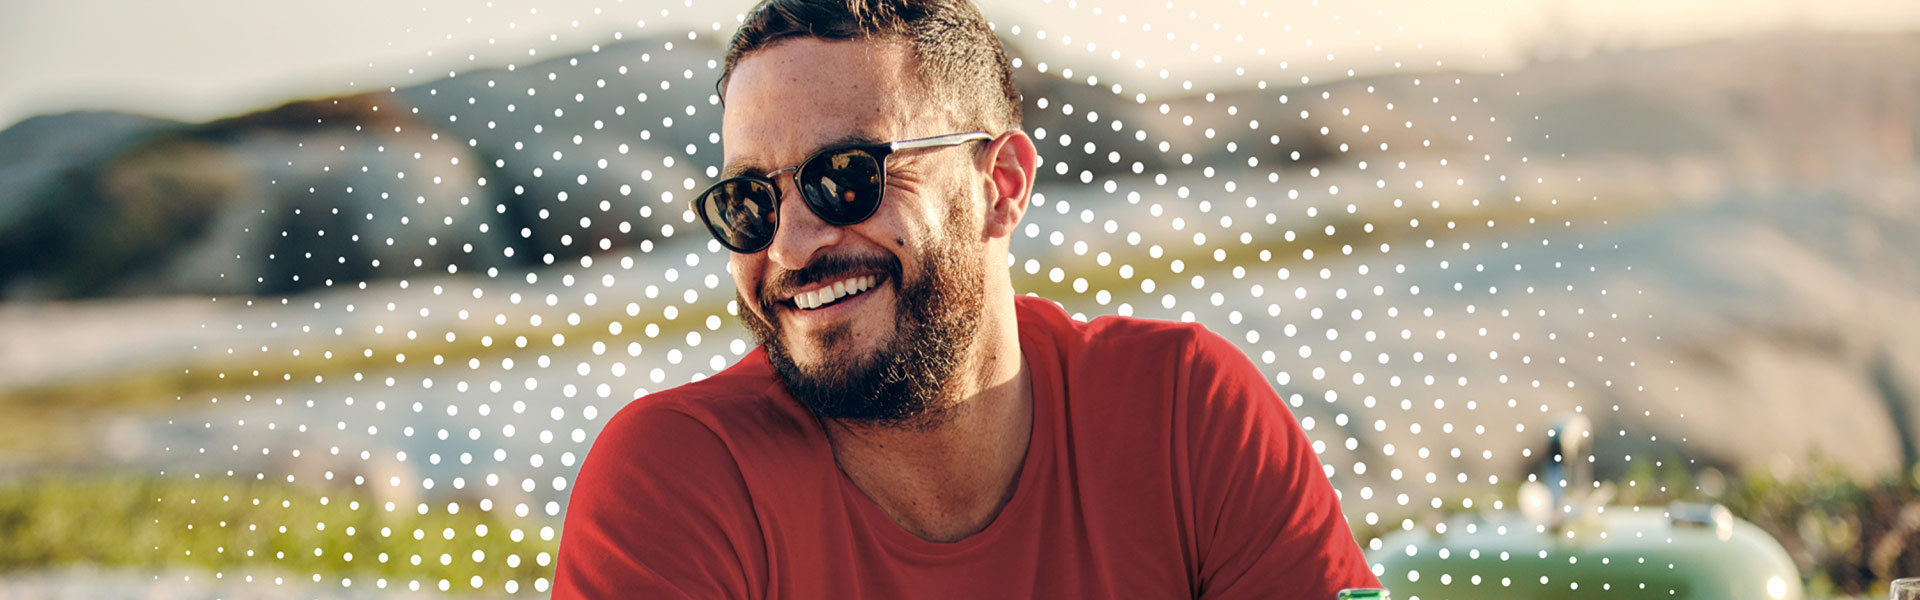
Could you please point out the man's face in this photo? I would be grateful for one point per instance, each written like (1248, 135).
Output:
(885, 353)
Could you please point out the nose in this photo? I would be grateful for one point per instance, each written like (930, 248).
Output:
(801, 234)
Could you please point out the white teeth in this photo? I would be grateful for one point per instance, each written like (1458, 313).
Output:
(827, 295)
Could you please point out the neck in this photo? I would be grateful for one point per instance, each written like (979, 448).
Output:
(946, 476)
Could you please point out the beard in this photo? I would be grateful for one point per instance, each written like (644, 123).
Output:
(901, 383)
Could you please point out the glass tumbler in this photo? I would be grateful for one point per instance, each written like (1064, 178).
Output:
(1905, 589)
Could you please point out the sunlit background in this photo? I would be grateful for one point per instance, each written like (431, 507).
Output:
(330, 300)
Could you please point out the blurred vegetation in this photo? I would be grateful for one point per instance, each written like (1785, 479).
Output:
(142, 521)
(1848, 536)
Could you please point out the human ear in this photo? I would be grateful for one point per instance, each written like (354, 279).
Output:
(1011, 162)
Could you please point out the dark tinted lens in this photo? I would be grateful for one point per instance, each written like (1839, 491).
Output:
(741, 213)
(842, 186)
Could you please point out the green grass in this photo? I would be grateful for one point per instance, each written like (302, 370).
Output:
(131, 520)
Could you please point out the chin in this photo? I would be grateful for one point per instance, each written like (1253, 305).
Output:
(840, 347)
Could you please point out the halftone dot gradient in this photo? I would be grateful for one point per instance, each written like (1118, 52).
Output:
(491, 261)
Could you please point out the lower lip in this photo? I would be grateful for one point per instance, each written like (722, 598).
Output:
(837, 309)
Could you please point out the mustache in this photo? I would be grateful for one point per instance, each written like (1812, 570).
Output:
(781, 286)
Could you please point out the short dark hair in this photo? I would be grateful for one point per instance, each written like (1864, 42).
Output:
(956, 56)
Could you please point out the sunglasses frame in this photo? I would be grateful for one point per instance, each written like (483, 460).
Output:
(878, 151)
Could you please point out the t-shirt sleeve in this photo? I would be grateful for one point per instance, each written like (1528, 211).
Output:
(659, 510)
(1268, 523)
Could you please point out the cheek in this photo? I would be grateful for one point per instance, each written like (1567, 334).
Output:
(743, 282)
(893, 227)
(928, 210)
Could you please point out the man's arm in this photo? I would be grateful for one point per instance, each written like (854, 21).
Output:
(659, 511)
(1267, 520)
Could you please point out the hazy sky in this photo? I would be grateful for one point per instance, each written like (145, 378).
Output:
(208, 58)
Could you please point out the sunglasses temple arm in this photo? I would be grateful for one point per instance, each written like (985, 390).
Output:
(938, 141)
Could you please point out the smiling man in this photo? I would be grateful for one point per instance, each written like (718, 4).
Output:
(909, 427)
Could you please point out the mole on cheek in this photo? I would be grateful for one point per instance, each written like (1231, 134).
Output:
(902, 242)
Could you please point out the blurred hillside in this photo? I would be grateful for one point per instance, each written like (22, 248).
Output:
(498, 168)
(1712, 251)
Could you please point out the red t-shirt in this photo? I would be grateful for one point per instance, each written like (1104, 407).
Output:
(1162, 465)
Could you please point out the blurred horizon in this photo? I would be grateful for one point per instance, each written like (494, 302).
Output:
(226, 57)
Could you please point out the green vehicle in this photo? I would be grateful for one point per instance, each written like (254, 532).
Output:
(1574, 547)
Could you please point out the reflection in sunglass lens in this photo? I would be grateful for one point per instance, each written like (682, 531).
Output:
(741, 213)
(843, 187)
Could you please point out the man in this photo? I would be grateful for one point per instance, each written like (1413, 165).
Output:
(909, 427)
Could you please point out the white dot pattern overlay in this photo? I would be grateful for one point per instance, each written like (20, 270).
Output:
(1400, 246)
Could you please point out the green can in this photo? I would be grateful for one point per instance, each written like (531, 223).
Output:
(1364, 594)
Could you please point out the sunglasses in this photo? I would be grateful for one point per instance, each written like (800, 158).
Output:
(841, 184)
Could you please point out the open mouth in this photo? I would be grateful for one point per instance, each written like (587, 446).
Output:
(834, 293)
